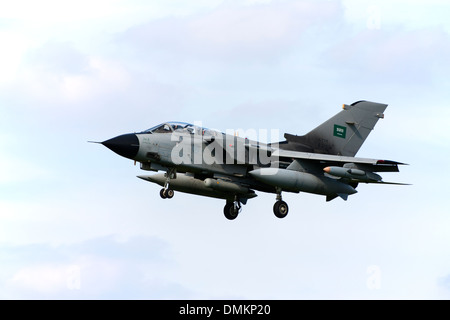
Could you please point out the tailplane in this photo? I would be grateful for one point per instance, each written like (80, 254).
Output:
(342, 134)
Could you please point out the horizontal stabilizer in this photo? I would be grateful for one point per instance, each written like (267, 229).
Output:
(329, 198)
(393, 183)
(334, 196)
(343, 196)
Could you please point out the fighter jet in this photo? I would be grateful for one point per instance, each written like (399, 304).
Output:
(209, 163)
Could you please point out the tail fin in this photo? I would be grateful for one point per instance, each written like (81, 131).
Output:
(342, 134)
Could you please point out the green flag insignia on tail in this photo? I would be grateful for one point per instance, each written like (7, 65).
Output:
(340, 131)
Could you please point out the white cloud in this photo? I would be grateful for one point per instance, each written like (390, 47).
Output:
(59, 75)
(43, 279)
(411, 15)
(242, 33)
(17, 170)
(398, 56)
(98, 268)
(56, 11)
(14, 48)
(14, 168)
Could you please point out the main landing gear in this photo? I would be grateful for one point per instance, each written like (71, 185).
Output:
(280, 208)
(233, 208)
(166, 192)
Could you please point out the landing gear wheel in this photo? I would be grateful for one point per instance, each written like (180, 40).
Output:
(166, 193)
(281, 209)
(169, 193)
(231, 211)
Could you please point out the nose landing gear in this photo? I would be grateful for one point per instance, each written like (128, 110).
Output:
(166, 192)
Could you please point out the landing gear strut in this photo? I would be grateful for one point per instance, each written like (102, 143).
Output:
(280, 208)
(166, 192)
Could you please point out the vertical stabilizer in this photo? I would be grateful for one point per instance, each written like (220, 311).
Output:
(342, 134)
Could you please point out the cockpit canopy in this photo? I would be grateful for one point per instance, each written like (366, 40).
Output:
(172, 126)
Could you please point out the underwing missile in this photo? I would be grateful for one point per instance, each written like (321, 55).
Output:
(353, 174)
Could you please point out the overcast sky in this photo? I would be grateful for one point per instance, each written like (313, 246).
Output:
(75, 222)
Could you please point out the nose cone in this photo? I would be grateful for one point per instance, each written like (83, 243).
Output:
(126, 145)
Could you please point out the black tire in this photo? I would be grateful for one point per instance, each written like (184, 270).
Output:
(169, 193)
(162, 193)
(230, 212)
(280, 209)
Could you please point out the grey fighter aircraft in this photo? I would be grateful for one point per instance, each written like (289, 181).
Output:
(209, 163)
